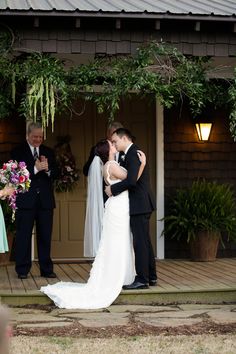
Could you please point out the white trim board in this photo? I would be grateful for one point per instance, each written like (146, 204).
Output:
(160, 240)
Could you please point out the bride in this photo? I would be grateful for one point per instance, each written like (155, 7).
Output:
(114, 264)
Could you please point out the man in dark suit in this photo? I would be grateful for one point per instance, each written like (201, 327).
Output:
(141, 206)
(37, 204)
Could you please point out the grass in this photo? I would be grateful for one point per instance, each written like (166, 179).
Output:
(180, 344)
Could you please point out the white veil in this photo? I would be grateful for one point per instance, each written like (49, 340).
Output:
(94, 208)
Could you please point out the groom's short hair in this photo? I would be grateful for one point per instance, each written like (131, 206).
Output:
(124, 132)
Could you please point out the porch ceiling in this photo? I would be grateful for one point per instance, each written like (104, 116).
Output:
(191, 9)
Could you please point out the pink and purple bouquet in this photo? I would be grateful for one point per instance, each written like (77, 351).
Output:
(15, 175)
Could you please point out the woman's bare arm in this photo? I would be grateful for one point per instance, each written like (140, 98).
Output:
(142, 158)
(115, 171)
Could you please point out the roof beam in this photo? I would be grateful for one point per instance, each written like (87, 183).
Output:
(187, 17)
(157, 25)
(118, 23)
(36, 22)
(197, 26)
(77, 22)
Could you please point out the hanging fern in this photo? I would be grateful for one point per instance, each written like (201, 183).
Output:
(46, 88)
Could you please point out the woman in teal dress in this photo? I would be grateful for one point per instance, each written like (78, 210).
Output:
(3, 236)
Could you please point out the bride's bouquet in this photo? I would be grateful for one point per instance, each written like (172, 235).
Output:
(15, 175)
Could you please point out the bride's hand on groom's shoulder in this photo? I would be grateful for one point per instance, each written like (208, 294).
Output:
(142, 157)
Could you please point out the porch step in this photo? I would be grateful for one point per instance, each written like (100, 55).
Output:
(179, 281)
(153, 296)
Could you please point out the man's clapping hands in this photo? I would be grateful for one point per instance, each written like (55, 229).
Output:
(42, 164)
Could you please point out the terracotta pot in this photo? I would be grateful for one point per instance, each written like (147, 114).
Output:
(204, 247)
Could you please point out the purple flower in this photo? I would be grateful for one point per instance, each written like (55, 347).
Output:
(22, 164)
(16, 175)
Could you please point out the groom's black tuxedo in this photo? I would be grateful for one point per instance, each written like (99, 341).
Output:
(140, 196)
(141, 206)
(36, 205)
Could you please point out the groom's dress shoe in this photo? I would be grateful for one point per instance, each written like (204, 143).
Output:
(49, 275)
(135, 286)
(152, 282)
(22, 276)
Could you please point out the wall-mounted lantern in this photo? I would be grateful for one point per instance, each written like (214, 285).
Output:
(203, 131)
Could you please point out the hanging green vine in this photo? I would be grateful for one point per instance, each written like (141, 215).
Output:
(6, 102)
(158, 70)
(232, 101)
(46, 88)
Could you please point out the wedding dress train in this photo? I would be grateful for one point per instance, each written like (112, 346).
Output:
(113, 266)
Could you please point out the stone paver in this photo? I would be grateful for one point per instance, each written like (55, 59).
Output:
(207, 307)
(178, 314)
(166, 322)
(60, 312)
(140, 308)
(119, 315)
(104, 319)
(44, 325)
(40, 317)
(223, 317)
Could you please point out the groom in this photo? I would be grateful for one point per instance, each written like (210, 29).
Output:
(141, 206)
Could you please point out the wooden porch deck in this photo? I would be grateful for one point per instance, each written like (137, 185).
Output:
(179, 281)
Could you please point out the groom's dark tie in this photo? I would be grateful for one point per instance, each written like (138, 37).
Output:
(35, 154)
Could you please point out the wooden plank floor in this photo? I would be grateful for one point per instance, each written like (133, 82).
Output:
(173, 275)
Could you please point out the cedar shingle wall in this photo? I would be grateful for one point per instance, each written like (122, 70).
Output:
(60, 35)
(186, 159)
(214, 39)
(12, 132)
(115, 42)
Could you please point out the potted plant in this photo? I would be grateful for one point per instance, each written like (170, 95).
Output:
(201, 214)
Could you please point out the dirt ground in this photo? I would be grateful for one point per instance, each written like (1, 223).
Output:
(137, 329)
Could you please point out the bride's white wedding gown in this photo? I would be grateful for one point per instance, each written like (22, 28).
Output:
(113, 266)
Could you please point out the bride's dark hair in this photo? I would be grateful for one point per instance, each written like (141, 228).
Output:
(102, 150)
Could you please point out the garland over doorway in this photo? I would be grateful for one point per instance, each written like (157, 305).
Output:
(39, 86)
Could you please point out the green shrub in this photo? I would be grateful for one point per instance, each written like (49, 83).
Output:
(204, 206)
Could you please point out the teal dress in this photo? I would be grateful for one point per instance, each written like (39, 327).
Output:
(3, 235)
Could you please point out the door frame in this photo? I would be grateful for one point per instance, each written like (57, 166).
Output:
(160, 240)
(160, 187)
